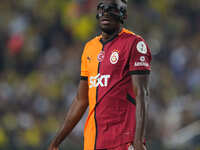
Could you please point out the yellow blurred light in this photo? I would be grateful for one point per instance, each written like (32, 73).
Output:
(3, 138)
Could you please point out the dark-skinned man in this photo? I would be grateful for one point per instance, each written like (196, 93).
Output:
(115, 68)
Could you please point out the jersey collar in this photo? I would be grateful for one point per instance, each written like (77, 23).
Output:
(104, 43)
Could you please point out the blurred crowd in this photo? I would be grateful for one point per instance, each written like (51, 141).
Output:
(40, 48)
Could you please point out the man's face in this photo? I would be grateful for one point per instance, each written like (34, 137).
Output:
(108, 12)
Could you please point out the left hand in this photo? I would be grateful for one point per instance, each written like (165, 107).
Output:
(139, 146)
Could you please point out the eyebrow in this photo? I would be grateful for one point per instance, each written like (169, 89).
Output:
(113, 3)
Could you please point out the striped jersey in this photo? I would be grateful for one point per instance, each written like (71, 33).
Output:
(108, 66)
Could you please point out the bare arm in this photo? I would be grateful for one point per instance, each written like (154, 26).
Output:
(76, 111)
(140, 86)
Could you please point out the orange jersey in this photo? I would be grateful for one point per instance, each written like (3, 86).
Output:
(108, 68)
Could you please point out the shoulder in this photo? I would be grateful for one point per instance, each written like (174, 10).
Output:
(135, 39)
(129, 35)
(137, 42)
(93, 41)
(91, 44)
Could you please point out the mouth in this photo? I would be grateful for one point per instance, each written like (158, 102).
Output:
(105, 20)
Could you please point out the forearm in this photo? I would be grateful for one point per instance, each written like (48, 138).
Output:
(73, 116)
(140, 88)
(141, 118)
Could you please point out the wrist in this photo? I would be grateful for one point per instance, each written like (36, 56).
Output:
(138, 142)
(55, 143)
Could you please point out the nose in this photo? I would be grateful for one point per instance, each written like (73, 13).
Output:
(105, 13)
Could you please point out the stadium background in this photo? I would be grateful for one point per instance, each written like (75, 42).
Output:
(40, 48)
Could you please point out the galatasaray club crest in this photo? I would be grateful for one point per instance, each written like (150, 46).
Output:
(100, 56)
(114, 57)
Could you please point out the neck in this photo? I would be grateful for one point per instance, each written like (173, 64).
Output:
(106, 36)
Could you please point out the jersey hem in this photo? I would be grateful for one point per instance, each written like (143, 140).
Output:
(114, 145)
(139, 72)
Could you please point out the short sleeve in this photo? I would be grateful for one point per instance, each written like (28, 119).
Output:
(84, 69)
(140, 58)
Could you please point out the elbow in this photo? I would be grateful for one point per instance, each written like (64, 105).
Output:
(82, 102)
(142, 96)
(142, 92)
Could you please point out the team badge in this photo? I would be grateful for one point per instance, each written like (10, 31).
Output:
(114, 57)
(141, 47)
(101, 56)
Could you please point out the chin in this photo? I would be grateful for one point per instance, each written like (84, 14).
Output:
(107, 30)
